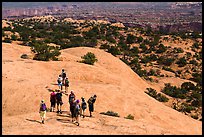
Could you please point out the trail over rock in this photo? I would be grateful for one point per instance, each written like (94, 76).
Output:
(118, 88)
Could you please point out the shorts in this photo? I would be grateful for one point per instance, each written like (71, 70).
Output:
(53, 104)
(59, 84)
(59, 102)
(42, 114)
(91, 107)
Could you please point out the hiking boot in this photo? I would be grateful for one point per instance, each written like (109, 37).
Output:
(43, 121)
(77, 123)
(60, 112)
(83, 116)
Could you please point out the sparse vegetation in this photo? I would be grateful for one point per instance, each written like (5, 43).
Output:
(130, 117)
(110, 113)
(153, 93)
(89, 58)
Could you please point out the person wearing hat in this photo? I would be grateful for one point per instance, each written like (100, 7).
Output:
(91, 102)
(83, 107)
(42, 110)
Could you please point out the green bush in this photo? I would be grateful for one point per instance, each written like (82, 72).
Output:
(181, 62)
(194, 116)
(130, 117)
(152, 92)
(43, 52)
(188, 86)
(168, 69)
(110, 113)
(7, 40)
(89, 58)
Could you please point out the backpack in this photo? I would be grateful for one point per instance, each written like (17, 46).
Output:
(58, 96)
(67, 82)
(64, 74)
(77, 108)
(53, 96)
(43, 107)
(90, 100)
(71, 98)
(84, 105)
(59, 80)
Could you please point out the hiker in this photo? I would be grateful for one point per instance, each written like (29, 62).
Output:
(72, 106)
(72, 97)
(66, 84)
(42, 111)
(63, 76)
(91, 102)
(52, 101)
(75, 111)
(83, 107)
(59, 101)
(59, 81)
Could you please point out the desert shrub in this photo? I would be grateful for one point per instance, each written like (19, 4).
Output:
(173, 91)
(161, 98)
(165, 61)
(105, 46)
(161, 48)
(3, 33)
(167, 69)
(193, 61)
(195, 45)
(24, 56)
(153, 93)
(140, 72)
(130, 39)
(13, 37)
(197, 77)
(89, 58)
(7, 40)
(125, 61)
(139, 39)
(130, 117)
(178, 50)
(110, 113)
(181, 62)
(143, 47)
(134, 51)
(43, 52)
(194, 116)
(197, 102)
(188, 86)
(114, 50)
(145, 59)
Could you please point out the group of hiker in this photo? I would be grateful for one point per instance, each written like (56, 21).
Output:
(76, 108)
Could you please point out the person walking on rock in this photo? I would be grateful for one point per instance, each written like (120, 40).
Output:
(64, 75)
(59, 101)
(52, 101)
(83, 107)
(59, 81)
(76, 112)
(91, 102)
(42, 111)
